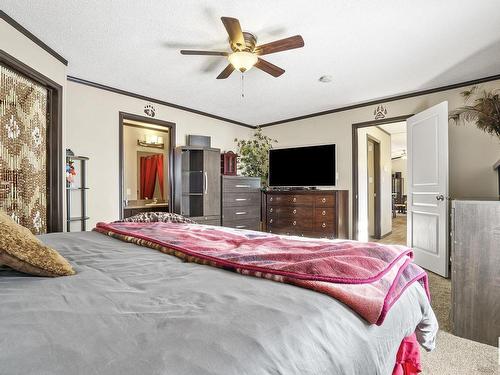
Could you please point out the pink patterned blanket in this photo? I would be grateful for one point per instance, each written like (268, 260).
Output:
(368, 277)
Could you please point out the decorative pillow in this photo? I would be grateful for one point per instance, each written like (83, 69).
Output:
(164, 217)
(22, 251)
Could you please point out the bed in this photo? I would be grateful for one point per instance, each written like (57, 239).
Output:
(133, 310)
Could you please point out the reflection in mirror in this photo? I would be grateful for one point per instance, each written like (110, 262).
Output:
(145, 167)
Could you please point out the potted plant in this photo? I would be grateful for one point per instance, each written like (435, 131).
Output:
(253, 154)
(484, 110)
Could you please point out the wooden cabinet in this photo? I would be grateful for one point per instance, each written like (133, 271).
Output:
(241, 202)
(197, 184)
(309, 213)
(475, 272)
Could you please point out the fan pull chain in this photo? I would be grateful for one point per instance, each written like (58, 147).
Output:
(242, 85)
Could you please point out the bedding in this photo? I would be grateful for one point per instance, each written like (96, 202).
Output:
(133, 310)
(368, 277)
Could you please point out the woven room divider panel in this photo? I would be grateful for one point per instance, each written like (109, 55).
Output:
(23, 150)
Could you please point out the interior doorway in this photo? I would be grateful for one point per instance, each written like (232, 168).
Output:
(379, 177)
(146, 164)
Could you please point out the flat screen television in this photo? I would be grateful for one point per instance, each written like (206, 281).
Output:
(308, 166)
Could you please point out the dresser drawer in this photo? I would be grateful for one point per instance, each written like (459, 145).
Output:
(326, 200)
(295, 212)
(250, 224)
(289, 200)
(325, 226)
(241, 199)
(324, 213)
(240, 185)
(238, 213)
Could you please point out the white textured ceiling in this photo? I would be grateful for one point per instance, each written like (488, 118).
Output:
(371, 48)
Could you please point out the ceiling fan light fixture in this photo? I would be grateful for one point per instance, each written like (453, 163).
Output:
(242, 60)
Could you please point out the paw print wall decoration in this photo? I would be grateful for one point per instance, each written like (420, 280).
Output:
(380, 112)
(149, 110)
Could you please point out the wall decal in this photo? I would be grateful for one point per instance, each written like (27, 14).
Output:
(380, 112)
(149, 110)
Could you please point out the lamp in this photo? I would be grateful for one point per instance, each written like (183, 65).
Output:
(242, 60)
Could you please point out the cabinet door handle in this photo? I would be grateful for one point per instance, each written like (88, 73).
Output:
(240, 199)
(242, 186)
(206, 183)
(241, 213)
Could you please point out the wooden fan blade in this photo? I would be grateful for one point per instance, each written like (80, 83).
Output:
(267, 67)
(209, 53)
(226, 72)
(233, 28)
(280, 45)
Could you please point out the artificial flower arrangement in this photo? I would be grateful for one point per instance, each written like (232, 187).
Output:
(70, 172)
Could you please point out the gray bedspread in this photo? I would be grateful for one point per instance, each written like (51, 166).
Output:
(133, 310)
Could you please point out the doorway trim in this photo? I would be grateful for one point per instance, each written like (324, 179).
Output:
(123, 116)
(377, 188)
(54, 139)
(355, 127)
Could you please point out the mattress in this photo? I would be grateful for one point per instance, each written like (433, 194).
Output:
(133, 310)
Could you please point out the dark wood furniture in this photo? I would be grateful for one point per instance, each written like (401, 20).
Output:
(309, 213)
(475, 255)
(76, 195)
(241, 202)
(198, 193)
(228, 163)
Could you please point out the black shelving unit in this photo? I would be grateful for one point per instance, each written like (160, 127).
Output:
(74, 190)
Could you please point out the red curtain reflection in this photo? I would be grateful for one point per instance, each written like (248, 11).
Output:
(151, 167)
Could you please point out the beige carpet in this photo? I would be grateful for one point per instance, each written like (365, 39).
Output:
(454, 355)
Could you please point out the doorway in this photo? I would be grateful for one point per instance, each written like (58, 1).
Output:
(146, 164)
(379, 155)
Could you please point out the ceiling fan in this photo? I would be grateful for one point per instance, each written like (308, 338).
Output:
(403, 156)
(245, 51)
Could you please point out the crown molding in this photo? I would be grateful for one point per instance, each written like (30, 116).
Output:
(153, 100)
(386, 100)
(4, 16)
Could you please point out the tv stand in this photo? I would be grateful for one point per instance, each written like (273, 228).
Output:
(308, 213)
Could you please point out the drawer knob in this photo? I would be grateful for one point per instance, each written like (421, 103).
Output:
(270, 210)
(270, 221)
(323, 225)
(295, 199)
(323, 200)
(294, 211)
(294, 223)
(271, 199)
(323, 212)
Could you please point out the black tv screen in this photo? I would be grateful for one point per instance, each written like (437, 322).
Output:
(302, 166)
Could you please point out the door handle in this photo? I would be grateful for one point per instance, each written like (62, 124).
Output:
(206, 183)
(440, 197)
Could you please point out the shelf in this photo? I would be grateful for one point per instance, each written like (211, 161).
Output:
(78, 218)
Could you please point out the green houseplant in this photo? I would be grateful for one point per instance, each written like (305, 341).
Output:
(484, 110)
(253, 154)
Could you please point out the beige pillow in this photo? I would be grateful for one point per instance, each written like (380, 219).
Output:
(22, 251)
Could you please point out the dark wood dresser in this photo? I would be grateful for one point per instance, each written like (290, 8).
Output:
(241, 202)
(308, 213)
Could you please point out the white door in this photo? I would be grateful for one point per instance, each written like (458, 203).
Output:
(427, 137)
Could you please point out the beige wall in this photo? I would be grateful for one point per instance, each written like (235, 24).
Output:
(92, 130)
(385, 181)
(472, 153)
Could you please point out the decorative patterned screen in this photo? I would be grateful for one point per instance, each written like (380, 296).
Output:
(23, 150)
